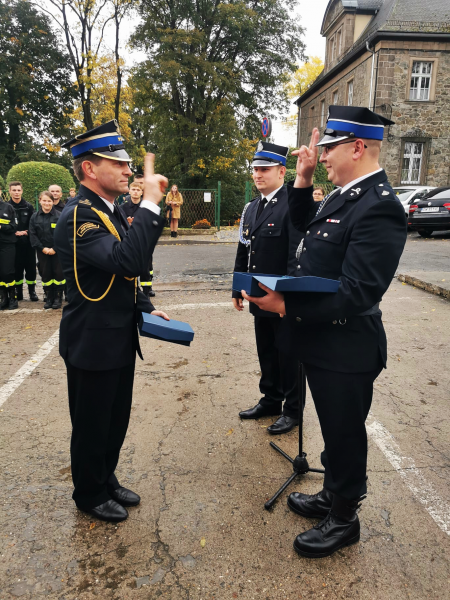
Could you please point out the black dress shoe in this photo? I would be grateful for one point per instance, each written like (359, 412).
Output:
(258, 411)
(331, 534)
(282, 425)
(108, 511)
(312, 507)
(125, 497)
(340, 528)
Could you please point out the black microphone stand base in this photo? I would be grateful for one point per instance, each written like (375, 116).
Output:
(299, 463)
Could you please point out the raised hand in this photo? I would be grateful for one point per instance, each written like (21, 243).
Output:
(154, 185)
(306, 161)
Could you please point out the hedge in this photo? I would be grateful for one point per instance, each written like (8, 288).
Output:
(39, 176)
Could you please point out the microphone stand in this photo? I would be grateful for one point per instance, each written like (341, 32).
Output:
(299, 463)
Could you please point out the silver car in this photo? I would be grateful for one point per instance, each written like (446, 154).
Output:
(408, 194)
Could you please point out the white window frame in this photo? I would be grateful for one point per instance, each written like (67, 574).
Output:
(350, 88)
(421, 92)
(322, 113)
(339, 42)
(333, 48)
(335, 96)
(415, 162)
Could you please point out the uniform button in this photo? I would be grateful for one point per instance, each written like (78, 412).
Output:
(334, 322)
(155, 223)
(318, 232)
(253, 237)
(298, 267)
(308, 232)
(254, 267)
(304, 249)
(298, 319)
(325, 235)
(253, 252)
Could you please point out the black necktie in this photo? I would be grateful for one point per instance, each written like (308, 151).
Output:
(261, 206)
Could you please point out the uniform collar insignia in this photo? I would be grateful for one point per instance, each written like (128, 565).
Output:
(356, 190)
(274, 200)
(85, 202)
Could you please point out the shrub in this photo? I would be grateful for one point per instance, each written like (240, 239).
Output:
(2, 184)
(38, 176)
(203, 224)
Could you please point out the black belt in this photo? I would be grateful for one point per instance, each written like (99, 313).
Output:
(371, 311)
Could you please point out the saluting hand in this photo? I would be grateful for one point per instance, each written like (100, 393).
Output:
(306, 161)
(154, 185)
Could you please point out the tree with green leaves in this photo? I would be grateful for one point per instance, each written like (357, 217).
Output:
(213, 69)
(35, 88)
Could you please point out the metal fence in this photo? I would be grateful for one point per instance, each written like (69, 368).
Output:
(198, 205)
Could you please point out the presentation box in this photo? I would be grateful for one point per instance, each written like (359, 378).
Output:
(249, 282)
(173, 331)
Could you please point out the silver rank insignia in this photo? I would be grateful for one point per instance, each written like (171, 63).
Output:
(274, 200)
(385, 193)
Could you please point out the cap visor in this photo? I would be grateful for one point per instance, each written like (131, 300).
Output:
(116, 155)
(328, 139)
(265, 163)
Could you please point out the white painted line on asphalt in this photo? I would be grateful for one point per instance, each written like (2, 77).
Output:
(14, 382)
(424, 491)
(7, 313)
(199, 305)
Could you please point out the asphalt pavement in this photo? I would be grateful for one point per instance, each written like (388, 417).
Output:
(201, 531)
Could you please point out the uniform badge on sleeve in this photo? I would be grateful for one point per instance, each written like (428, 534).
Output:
(82, 229)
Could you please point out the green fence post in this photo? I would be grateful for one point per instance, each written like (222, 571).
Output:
(248, 192)
(219, 194)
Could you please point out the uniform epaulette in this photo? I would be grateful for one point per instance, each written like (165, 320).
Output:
(384, 191)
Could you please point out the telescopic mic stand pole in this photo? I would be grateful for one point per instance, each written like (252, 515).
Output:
(299, 463)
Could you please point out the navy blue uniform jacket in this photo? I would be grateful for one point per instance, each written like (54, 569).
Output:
(357, 238)
(273, 243)
(103, 335)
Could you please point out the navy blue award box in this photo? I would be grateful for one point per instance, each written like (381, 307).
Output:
(249, 282)
(173, 331)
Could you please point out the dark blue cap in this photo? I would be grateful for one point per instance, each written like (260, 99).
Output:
(104, 140)
(346, 122)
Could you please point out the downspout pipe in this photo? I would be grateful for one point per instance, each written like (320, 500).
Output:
(372, 75)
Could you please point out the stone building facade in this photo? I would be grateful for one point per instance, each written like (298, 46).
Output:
(394, 57)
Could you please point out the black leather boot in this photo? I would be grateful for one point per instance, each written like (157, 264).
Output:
(316, 506)
(32, 292)
(19, 292)
(4, 300)
(49, 297)
(13, 304)
(57, 299)
(339, 529)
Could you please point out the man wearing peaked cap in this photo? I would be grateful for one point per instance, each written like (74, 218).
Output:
(101, 257)
(267, 245)
(357, 236)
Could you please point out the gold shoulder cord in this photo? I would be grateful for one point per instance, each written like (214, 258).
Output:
(108, 224)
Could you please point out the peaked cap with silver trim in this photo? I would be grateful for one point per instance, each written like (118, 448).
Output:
(269, 155)
(346, 122)
(104, 140)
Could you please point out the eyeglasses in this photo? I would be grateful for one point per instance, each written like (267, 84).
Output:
(326, 149)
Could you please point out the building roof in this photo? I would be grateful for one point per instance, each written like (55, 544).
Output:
(399, 16)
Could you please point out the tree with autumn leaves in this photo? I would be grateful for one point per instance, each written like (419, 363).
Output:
(36, 92)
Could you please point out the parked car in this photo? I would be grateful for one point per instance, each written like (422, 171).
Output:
(431, 213)
(408, 194)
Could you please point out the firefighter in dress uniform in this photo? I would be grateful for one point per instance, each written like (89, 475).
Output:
(25, 253)
(356, 235)
(267, 245)
(8, 239)
(101, 258)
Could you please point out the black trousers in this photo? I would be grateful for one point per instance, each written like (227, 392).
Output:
(342, 402)
(50, 269)
(7, 270)
(146, 278)
(279, 372)
(100, 406)
(25, 261)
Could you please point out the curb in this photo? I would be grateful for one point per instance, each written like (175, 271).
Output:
(432, 288)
